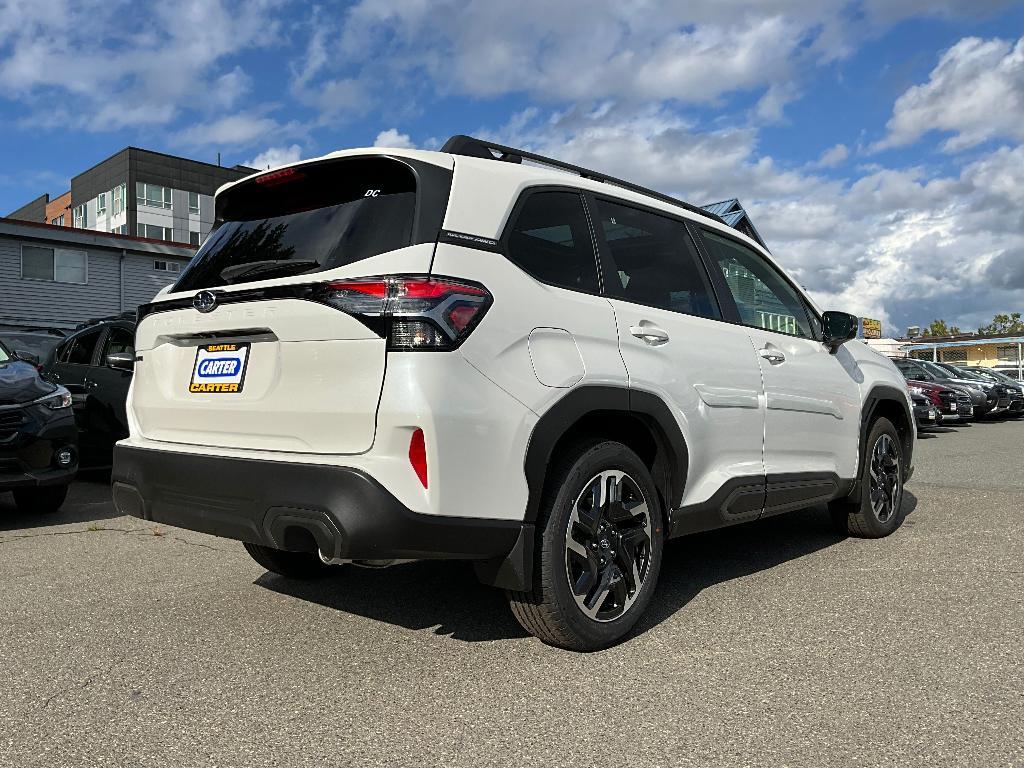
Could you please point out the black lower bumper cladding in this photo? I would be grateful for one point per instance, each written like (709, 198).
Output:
(348, 514)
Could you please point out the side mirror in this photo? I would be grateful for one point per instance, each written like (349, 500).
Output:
(121, 361)
(838, 328)
(27, 357)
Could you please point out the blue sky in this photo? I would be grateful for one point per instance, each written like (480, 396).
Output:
(876, 143)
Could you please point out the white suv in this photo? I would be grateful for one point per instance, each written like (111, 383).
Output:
(391, 354)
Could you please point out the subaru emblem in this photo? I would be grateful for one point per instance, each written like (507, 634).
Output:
(205, 301)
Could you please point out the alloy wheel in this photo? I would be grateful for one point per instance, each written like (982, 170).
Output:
(886, 479)
(608, 545)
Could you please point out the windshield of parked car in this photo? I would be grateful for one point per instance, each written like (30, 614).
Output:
(306, 219)
(38, 344)
(935, 370)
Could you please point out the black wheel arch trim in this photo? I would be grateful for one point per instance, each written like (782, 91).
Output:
(879, 394)
(649, 409)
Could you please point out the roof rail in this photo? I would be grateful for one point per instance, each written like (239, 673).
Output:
(472, 147)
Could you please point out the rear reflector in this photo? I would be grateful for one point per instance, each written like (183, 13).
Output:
(418, 456)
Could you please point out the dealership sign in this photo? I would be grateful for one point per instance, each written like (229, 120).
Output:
(872, 328)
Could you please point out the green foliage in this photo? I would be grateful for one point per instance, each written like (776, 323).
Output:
(1004, 324)
(939, 328)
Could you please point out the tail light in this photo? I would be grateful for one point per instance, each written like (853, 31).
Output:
(413, 313)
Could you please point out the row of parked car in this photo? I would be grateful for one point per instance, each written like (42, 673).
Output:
(944, 393)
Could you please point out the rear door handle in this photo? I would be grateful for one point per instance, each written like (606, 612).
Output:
(772, 355)
(650, 334)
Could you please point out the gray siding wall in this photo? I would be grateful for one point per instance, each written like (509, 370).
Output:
(142, 282)
(42, 302)
(65, 305)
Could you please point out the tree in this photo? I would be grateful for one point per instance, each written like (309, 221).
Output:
(939, 328)
(1003, 324)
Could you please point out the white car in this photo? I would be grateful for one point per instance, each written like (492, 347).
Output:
(392, 354)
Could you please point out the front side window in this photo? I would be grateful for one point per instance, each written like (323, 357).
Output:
(306, 219)
(655, 261)
(550, 240)
(763, 297)
(80, 348)
(59, 265)
(118, 340)
(152, 195)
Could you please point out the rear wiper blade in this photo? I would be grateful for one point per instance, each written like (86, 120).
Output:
(281, 266)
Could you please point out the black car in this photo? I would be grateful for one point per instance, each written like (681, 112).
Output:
(1015, 388)
(33, 345)
(983, 396)
(95, 363)
(925, 412)
(38, 439)
(1005, 395)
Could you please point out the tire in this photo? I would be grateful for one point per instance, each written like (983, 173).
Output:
(292, 565)
(43, 500)
(595, 557)
(880, 509)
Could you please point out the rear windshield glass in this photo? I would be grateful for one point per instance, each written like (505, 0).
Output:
(306, 219)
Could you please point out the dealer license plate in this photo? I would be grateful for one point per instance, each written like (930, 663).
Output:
(219, 369)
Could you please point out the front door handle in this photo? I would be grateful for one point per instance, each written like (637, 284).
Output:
(650, 334)
(772, 354)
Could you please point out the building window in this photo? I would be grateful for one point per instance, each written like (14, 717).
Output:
(119, 195)
(59, 221)
(152, 195)
(921, 354)
(166, 266)
(58, 265)
(954, 355)
(101, 204)
(155, 232)
(193, 202)
(193, 239)
(79, 216)
(1007, 353)
(121, 229)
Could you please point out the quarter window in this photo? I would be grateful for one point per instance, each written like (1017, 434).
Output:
(763, 297)
(550, 240)
(655, 261)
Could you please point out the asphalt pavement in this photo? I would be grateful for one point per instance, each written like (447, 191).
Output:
(777, 643)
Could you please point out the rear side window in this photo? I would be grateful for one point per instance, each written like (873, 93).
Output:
(305, 220)
(655, 261)
(78, 351)
(550, 240)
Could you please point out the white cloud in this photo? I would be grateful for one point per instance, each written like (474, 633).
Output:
(275, 156)
(392, 138)
(240, 130)
(106, 75)
(976, 92)
(832, 157)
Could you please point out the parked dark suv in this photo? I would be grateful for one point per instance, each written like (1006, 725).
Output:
(38, 440)
(95, 364)
(1005, 386)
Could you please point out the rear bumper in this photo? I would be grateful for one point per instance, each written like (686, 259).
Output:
(348, 513)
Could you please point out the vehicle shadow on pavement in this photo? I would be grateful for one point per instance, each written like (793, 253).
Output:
(444, 595)
(88, 501)
(447, 597)
(693, 563)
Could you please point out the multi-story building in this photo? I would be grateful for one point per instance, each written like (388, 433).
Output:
(140, 193)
